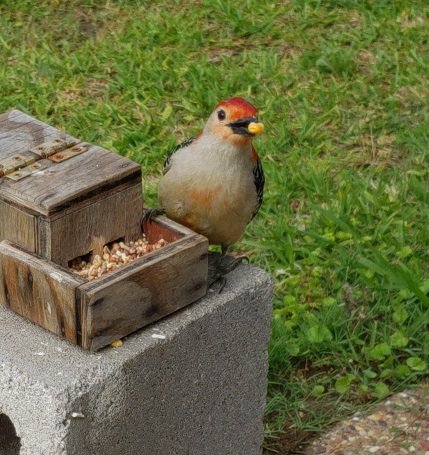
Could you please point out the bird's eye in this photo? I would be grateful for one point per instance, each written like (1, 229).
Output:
(221, 115)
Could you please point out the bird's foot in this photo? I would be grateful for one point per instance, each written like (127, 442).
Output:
(149, 214)
(219, 266)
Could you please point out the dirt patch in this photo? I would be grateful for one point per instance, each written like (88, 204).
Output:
(291, 442)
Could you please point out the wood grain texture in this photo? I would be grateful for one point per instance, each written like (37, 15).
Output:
(81, 204)
(143, 291)
(38, 290)
(18, 226)
(20, 132)
(65, 182)
(72, 208)
(9, 115)
(165, 228)
(88, 227)
(93, 314)
(70, 181)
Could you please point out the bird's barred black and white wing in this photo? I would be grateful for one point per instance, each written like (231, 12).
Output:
(167, 162)
(259, 179)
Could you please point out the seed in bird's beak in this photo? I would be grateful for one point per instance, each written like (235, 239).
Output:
(256, 128)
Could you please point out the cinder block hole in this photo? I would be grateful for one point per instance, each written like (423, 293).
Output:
(10, 443)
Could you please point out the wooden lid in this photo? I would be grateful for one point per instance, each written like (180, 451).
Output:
(54, 184)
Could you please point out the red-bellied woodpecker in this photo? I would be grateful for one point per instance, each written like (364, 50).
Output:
(214, 183)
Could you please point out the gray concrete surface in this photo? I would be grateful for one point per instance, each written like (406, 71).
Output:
(193, 384)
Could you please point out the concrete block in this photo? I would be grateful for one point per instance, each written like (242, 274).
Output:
(192, 384)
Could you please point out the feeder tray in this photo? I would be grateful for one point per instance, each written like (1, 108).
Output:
(62, 199)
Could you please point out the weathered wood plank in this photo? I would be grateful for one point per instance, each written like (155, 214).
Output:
(18, 140)
(143, 291)
(12, 119)
(19, 120)
(9, 115)
(88, 227)
(38, 290)
(20, 132)
(21, 142)
(73, 208)
(165, 228)
(86, 174)
(18, 226)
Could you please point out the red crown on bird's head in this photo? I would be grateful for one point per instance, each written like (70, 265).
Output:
(238, 108)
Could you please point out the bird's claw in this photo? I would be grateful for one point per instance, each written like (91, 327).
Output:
(219, 266)
(148, 215)
(221, 281)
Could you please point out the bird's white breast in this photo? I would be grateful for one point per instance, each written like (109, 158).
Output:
(210, 186)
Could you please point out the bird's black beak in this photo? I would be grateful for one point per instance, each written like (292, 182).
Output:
(248, 126)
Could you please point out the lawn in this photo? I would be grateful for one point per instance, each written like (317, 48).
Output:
(343, 87)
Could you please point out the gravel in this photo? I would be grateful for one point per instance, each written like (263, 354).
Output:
(399, 425)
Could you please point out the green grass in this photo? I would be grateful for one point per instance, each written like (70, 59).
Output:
(343, 87)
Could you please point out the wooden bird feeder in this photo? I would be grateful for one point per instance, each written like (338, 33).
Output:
(62, 199)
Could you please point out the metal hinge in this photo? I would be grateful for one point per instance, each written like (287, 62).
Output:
(24, 172)
(68, 153)
(57, 150)
(47, 149)
(11, 164)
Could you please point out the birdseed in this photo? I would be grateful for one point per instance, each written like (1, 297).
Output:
(114, 257)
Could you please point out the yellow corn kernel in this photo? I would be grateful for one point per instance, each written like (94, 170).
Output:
(256, 128)
(117, 343)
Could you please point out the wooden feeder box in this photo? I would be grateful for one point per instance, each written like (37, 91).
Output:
(62, 199)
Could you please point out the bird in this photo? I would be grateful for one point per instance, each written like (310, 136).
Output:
(214, 183)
